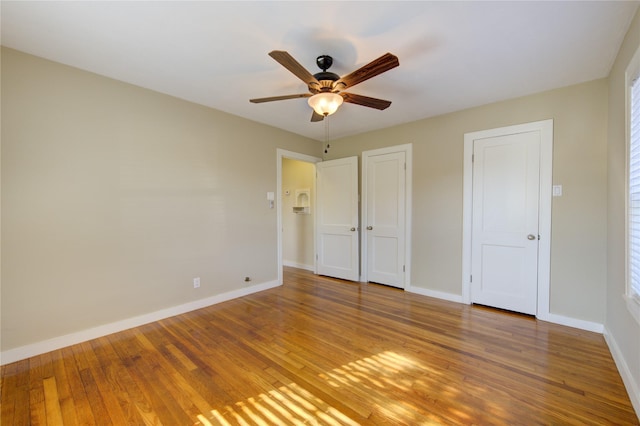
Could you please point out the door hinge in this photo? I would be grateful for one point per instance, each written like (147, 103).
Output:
(473, 158)
(470, 278)
(403, 268)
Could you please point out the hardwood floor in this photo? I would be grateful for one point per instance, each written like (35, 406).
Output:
(324, 351)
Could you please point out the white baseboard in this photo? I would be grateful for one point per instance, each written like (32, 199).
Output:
(554, 318)
(27, 351)
(633, 388)
(572, 322)
(436, 294)
(298, 265)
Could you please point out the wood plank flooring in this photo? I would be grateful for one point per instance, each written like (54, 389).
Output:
(324, 351)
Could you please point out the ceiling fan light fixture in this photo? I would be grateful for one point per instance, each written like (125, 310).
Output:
(325, 103)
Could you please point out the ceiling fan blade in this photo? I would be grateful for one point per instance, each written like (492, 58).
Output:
(352, 98)
(287, 61)
(382, 64)
(280, 98)
(315, 117)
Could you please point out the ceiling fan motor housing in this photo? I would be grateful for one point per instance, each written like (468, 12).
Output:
(326, 75)
(326, 78)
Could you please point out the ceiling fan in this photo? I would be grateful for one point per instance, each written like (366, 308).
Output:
(326, 88)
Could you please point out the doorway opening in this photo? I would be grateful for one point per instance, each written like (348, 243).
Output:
(295, 210)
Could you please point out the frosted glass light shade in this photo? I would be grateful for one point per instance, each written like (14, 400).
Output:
(325, 103)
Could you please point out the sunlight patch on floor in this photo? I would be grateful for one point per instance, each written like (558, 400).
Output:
(288, 405)
(293, 405)
(383, 371)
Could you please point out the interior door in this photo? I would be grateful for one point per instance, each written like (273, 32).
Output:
(504, 247)
(385, 218)
(337, 218)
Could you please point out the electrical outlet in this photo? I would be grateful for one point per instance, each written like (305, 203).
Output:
(196, 282)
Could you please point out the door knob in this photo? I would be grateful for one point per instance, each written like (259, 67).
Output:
(531, 237)
(353, 229)
(369, 228)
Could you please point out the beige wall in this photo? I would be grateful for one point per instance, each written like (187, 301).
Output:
(115, 197)
(620, 326)
(578, 264)
(297, 242)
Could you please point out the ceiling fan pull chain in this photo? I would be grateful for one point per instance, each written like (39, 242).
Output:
(326, 135)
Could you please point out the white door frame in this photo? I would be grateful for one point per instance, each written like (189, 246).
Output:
(280, 154)
(407, 149)
(545, 128)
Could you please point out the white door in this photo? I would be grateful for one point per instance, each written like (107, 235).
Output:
(337, 218)
(504, 246)
(385, 183)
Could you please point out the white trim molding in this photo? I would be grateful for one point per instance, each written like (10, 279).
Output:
(38, 348)
(552, 318)
(545, 127)
(632, 74)
(450, 297)
(633, 388)
(298, 265)
(633, 305)
(572, 322)
(280, 154)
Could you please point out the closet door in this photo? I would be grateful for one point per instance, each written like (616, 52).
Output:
(384, 187)
(337, 222)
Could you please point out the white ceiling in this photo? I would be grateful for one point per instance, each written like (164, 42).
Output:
(453, 55)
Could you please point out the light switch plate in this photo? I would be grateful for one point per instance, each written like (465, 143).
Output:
(557, 190)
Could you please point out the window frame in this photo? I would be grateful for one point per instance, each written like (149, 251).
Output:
(632, 75)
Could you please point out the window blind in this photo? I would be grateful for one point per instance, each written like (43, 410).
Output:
(634, 191)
